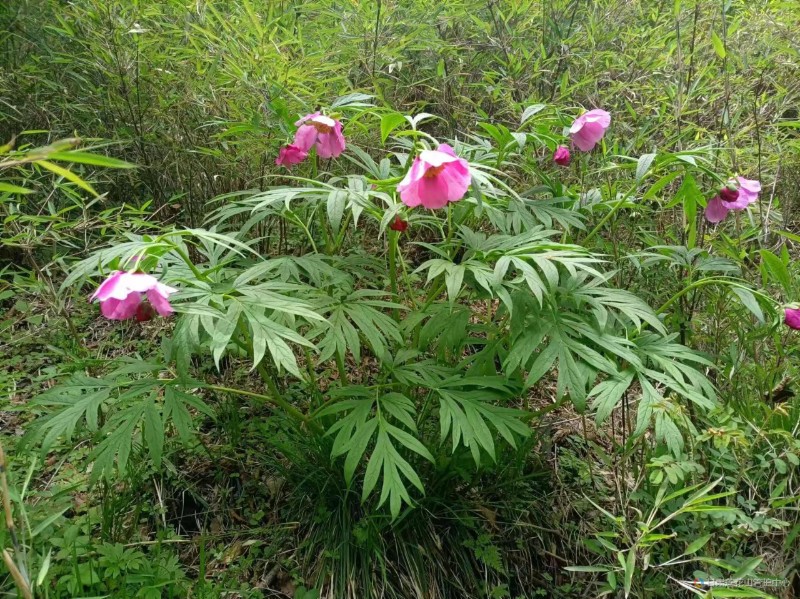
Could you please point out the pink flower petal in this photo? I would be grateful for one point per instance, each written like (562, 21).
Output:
(589, 128)
(433, 192)
(323, 120)
(116, 309)
(138, 281)
(748, 190)
(109, 287)
(435, 178)
(598, 116)
(740, 203)
(436, 158)
(308, 117)
(716, 210)
(330, 145)
(588, 136)
(158, 298)
(447, 149)
(305, 137)
(407, 187)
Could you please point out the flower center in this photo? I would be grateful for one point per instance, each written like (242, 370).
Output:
(321, 127)
(433, 171)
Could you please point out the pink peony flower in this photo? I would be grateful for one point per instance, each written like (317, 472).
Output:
(290, 154)
(589, 128)
(436, 178)
(792, 318)
(561, 156)
(121, 295)
(738, 194)
(322, 131)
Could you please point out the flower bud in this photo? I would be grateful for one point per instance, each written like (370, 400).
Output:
(399, 224)
(561, 156)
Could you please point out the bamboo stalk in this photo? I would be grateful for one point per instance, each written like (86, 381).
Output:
(20, 580)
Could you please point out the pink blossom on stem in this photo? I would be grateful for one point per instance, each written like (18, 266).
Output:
(122, 294)
(589, 128)
(737, 194)
(322, 131)
(435, 178)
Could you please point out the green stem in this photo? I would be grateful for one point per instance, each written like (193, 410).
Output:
(300, 222)
(277, 400)
(196, 271)
(392, 240)
(406, 280)
(343, 380)
(323, 225)
(697, 285)
(449, 224)
(276, 397)
(605, 219)
(312, 379)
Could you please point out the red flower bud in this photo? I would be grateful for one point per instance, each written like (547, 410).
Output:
(399, 224)
(144, 312)
(726, 194)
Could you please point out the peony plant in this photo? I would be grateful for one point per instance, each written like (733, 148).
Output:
(428, 342)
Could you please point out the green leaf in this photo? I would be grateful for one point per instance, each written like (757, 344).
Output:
(337, 199)
(749, 301)
(643, 166)
(224, 330)
(530, 111)
(44, 568)
(660, 184)
(748, 567)
(9, 188)
(586, 568)
(357, 446)
(390, 122)
(179, 348)
(466, 415)
(608, 393)
(696, 545)
(719, 46)
(543, 363)
(741, 592)
(47, 522)
(67, 174)
(385, 459)
(89, 158)
(666, 430)
(630, 568)
(410, 442)
(116, 444)
(777, 269)
(454, 278)
(175, 410)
